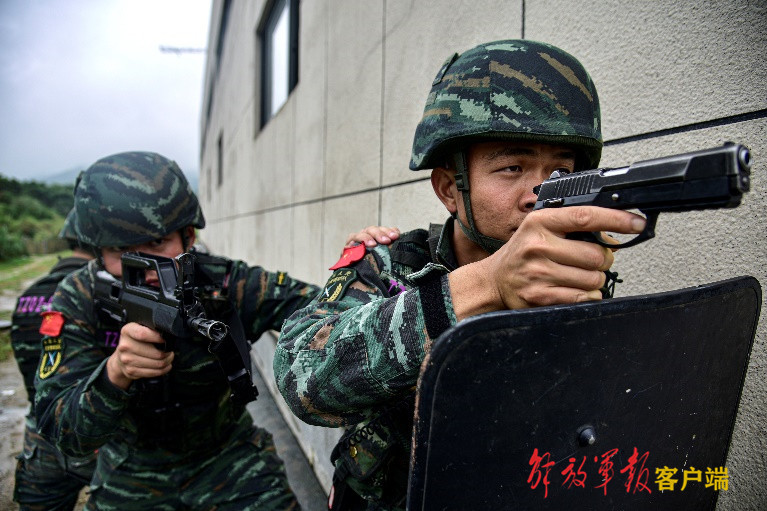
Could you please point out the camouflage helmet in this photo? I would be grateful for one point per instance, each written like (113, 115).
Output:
(68, 231)
(509, 90)
(132, 198)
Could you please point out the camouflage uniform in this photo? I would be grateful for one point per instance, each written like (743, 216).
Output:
(45, 479)
(352, 358)
(355, 359)
(179, 441)
(204, 442)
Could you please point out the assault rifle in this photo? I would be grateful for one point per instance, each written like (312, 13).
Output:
(707, 179)
(174, 308)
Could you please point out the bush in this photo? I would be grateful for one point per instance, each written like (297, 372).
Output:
(26, 206)
(11, 245)
(31, 216)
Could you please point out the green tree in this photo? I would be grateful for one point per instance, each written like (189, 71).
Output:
(31, 216)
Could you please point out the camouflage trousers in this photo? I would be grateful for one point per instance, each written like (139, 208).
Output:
(45, 479)
(243, 474)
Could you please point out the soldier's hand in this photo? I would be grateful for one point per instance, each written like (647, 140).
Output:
(539, 266)
(138, 355)
(373, 235)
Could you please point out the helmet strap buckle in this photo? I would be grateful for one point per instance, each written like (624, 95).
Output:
(461, 182)
(461, 171)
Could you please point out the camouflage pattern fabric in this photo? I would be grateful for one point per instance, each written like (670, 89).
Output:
(26, 319)
(45, 479)
(199, 433)
(244, 474)
(513, 89)
(351, 358)
(131, 198)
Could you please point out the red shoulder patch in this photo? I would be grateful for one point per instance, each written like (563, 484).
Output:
(350, 255)
(53, 321)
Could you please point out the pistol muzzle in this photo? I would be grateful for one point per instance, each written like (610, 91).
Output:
(744, 156)
(744, 169)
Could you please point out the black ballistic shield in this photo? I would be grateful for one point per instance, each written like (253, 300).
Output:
(586, 407)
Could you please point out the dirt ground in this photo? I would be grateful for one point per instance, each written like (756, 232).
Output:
(13, 408)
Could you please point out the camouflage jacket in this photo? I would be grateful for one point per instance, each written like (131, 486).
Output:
(352, 357)
(25, 335)
(80, 410)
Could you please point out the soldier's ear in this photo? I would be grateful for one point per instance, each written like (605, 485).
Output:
(443, 182)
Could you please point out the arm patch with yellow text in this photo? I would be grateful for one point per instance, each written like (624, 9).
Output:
(51, 357)
(337, 284)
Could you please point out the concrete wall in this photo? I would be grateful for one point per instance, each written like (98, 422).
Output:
(673, 76)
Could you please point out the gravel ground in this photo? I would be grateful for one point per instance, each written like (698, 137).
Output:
(13, 408)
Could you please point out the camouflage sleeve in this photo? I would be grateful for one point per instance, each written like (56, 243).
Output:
(76, 405)
(361, 341)
(266, 299)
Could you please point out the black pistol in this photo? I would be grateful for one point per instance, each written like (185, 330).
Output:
(706, 179)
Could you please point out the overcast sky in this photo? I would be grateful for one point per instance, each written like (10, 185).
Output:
(82, 79)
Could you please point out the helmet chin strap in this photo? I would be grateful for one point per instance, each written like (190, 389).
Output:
(184, 239)
(488, 244)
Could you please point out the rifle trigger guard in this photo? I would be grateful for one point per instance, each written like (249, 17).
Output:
(646, 234)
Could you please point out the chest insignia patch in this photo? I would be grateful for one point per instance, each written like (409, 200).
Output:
(350, 255)
(52, 323)
(337, 284)
(51, 357)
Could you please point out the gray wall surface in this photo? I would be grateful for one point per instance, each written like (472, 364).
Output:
(673, 76)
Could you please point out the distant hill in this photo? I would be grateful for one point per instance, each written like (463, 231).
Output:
(68, 177)
(65, 177)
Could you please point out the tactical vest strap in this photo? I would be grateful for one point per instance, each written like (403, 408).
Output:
(366, 273)
(400, 253)
(435, 231)
(233, 354)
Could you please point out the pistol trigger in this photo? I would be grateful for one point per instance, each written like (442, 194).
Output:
(596, 237)
(592, 237)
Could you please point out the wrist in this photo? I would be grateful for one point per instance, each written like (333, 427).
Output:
(115, 374)
(472, 291)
